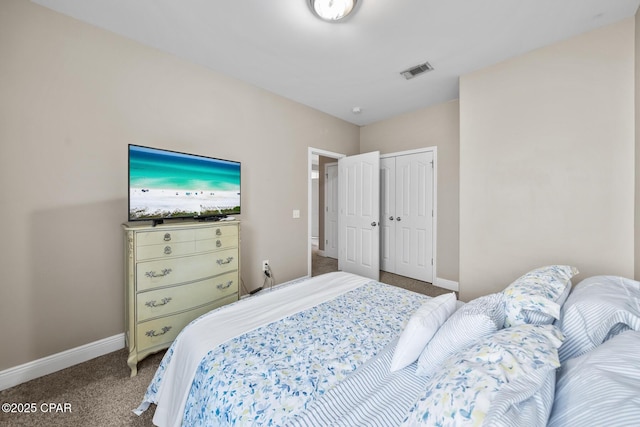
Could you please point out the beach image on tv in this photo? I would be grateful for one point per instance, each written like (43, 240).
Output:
(166, 184)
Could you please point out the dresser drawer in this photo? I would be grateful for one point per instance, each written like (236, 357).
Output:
(165, 272)
(222, 242)
(217, 232)
(225, 285)
(161, 332)
(165, 301)
(226, 260)
(164, 236)
(165, 250)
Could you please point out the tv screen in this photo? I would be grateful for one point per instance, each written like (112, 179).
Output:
(167, 184)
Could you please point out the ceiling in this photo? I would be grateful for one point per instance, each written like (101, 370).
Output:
(279, 45)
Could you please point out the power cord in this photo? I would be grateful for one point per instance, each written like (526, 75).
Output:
(268, 278)
(268, 281)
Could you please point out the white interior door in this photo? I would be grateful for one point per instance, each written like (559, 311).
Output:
(358, 214)
(414, 216)
(331, 210)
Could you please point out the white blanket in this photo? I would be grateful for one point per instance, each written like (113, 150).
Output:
(218, 326)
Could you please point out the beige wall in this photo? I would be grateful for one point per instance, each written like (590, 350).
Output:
(547, 161)
(71, 98)
(436, 126)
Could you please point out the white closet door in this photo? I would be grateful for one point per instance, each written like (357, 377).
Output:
(331, 211)
(388, 214)
(414, 216)
(359, 214)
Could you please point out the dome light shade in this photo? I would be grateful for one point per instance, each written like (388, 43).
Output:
(332, 10)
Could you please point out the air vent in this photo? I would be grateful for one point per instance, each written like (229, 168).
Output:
(417, 70)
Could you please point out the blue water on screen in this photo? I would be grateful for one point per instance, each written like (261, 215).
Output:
(155, 169)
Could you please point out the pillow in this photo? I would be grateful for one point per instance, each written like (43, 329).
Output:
(476, 319)
(600, 388)
(597, 309)
(536, 297)
(504, 379)
(420, 328)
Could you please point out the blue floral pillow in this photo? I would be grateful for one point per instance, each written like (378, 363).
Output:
(504, 379)
(536, 297)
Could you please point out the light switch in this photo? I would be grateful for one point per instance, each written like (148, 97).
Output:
(296, 213)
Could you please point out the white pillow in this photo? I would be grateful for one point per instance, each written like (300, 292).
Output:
(504, 379)
(600, 388)
(597, 309)
(476, 319)
(422, 325)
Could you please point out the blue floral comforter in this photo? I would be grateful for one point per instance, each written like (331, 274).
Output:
(266, 376)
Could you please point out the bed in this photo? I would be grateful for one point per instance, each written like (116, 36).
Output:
(340, 349)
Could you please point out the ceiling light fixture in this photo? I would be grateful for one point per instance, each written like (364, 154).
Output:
(332, 10)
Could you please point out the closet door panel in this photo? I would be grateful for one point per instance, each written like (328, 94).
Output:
(414, 210)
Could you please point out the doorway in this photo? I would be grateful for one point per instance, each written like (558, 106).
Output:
(318, 263)
(316, 168)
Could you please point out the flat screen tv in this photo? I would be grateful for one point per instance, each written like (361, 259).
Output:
(166, 184)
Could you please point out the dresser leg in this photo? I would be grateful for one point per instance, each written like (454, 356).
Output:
(133, 365)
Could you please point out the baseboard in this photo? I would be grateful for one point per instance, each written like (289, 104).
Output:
(447, 284)
(56, 362)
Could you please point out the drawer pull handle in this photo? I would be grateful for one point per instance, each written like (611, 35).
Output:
(163, 301)
(152, 333)
(167, 250)
(153, 274)
(167, 237)
(218, 243)
(223, 261)
(223, 286)
(218, 232)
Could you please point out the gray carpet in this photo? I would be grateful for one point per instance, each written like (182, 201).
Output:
(321, 265)
(101, 393)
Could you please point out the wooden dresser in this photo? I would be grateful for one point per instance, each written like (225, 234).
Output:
(174, 274)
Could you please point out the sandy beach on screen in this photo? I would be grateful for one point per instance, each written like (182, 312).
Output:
(170, 200)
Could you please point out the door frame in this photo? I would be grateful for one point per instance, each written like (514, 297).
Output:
(325, 252)
(311, 151)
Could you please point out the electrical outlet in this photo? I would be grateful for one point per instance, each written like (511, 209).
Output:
(265, 265)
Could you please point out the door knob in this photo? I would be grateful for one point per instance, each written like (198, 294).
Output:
(399, 219)
(373, 224)
(391, 218)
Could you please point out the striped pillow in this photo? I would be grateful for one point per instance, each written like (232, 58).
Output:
(598, 309)
(474, 320)
(600, 388)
